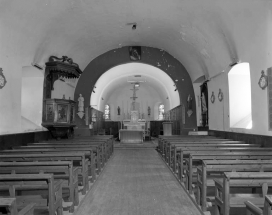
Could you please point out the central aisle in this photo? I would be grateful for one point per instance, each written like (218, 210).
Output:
(136, 181)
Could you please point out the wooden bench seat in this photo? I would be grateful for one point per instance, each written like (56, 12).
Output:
(212, 169)
(252, 209)
(28, 182)
(11, 207)
(62, 170)
(225, 198)
(78, 158)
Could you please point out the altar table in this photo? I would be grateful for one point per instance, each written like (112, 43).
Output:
(131, 136)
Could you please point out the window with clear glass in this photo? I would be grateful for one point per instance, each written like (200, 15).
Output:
(107, 112)
(161, 112)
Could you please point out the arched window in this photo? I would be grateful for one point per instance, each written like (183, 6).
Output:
(107, 112)
(161, 112)
(240, 96)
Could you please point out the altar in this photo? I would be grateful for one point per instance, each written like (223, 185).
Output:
(133, 130)
(131, 136)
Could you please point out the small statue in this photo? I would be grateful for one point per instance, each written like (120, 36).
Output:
(80, 103)
(63, 96)
(80, 106)
(118, 110)
(148, 111)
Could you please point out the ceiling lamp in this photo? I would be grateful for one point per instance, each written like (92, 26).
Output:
(137, 84)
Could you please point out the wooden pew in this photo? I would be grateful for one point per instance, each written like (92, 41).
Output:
(29, 182)
(169, 144)
(195, 159)
(252, 209)
(163, 142)
(62, 170)
(11, 206)
(225, 198)
(68, 147)
(87, 151)
(184, 153)
(212, 169)
(104, 152)
(78, 158)
(107, 144)
(172, 151)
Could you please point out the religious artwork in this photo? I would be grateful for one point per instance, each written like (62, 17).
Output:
(148, 111)
(49, 113)
(263, 81)
(80, 106)
(212, 97)
(203, 102)
(3, 80)
(62, 113)
(189, 105)
(118, 111)
(135, 53)
(72, 114)
(220, 95)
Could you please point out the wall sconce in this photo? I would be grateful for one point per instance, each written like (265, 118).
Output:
(134, 27)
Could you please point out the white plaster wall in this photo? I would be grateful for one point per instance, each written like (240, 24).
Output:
(31, 99)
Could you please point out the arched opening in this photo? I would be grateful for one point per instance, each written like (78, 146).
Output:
(172, 90)
(114, 88)
(240, 96)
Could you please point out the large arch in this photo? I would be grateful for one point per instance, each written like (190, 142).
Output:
(115, 83)
(151, 56)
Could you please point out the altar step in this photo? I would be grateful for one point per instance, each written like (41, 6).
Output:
(145, 144)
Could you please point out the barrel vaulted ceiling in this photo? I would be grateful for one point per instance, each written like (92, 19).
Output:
(204, 35)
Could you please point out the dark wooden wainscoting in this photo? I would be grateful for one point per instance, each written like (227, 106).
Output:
(266, 141)
(9, 140)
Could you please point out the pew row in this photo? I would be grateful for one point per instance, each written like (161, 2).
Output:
(195, 158)
(62, 170)
(214, 169)
(78, 158)
(95, 158)
(50, 200)
(252, 209)
(11, 207)
(226, 198)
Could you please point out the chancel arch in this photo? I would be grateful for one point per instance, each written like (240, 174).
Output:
(181, 84)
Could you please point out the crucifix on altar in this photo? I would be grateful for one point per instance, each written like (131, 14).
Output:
(134, 111)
